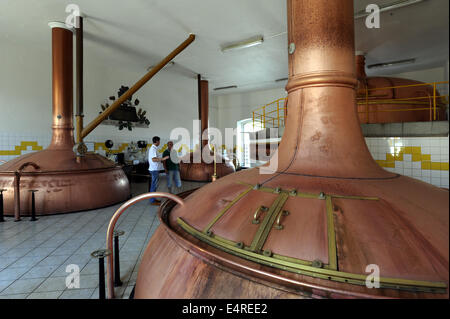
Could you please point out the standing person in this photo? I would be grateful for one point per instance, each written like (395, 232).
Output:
(154, 166)
(172, 167)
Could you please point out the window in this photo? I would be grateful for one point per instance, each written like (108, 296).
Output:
(244, 127)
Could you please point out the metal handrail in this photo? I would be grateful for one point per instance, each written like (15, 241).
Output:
(264, 113)
(112, 224)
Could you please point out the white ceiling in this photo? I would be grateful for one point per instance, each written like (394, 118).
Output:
(138, 33)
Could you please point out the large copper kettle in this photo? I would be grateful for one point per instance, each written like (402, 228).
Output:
(325, 219)
(64, 183)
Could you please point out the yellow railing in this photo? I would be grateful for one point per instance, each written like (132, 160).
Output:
(429, 102)
(265, 116)
(274, 114)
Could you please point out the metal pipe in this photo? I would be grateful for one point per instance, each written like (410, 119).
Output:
(16, 196)
(199, 94)
(62, 87)
(214, 177)
(1, 205)
(112, 224)
(101, 274)
(33, 205)
(117, 281)
(434, 102)
(101, 254)
(79, 81)
(136, 86)
(204, 107)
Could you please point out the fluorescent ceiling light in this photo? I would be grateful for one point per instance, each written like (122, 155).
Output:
(393, 63)
(226, 87)
(388, 7)
(243, 44)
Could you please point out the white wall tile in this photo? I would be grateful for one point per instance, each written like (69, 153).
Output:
(436, 181)
(436, 174)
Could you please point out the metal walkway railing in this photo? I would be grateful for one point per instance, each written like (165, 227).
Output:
(274, 114)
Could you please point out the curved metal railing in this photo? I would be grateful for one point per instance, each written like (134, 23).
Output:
(112, 224)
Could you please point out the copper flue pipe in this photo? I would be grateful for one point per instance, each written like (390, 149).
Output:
(204, 110)
(62, 82)
(112, 224)
(136, 86)
(321, 87)
(79, 79)
(199, 93)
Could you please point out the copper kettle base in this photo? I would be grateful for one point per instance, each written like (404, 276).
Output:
(62, 184)
(203, 172)
(390, 222)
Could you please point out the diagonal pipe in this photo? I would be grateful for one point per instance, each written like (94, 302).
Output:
(136, 86)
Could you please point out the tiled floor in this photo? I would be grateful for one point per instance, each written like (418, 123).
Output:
(34, 255)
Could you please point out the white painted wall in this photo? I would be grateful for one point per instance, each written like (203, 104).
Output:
(25, 88)
(232, 108)
(427, 76)
(170, 98)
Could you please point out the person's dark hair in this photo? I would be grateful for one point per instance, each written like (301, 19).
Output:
(156, 139)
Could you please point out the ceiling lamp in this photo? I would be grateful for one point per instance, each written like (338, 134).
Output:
(389, 64)
(226, 87)
(243, 44)
(388, 7)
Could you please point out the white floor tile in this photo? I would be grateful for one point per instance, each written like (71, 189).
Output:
(45, 295)
(34, 256)
(22, 286)
(77, 294)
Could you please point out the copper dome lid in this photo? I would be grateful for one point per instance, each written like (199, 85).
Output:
(327, 214)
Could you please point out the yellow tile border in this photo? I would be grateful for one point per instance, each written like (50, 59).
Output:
(416, 156)
(22, 147)
(389, 162)
(122, 147)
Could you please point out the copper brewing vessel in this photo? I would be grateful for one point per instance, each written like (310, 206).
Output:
(325, 219)
(63, 183)
(199, 165)
(395, 100)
